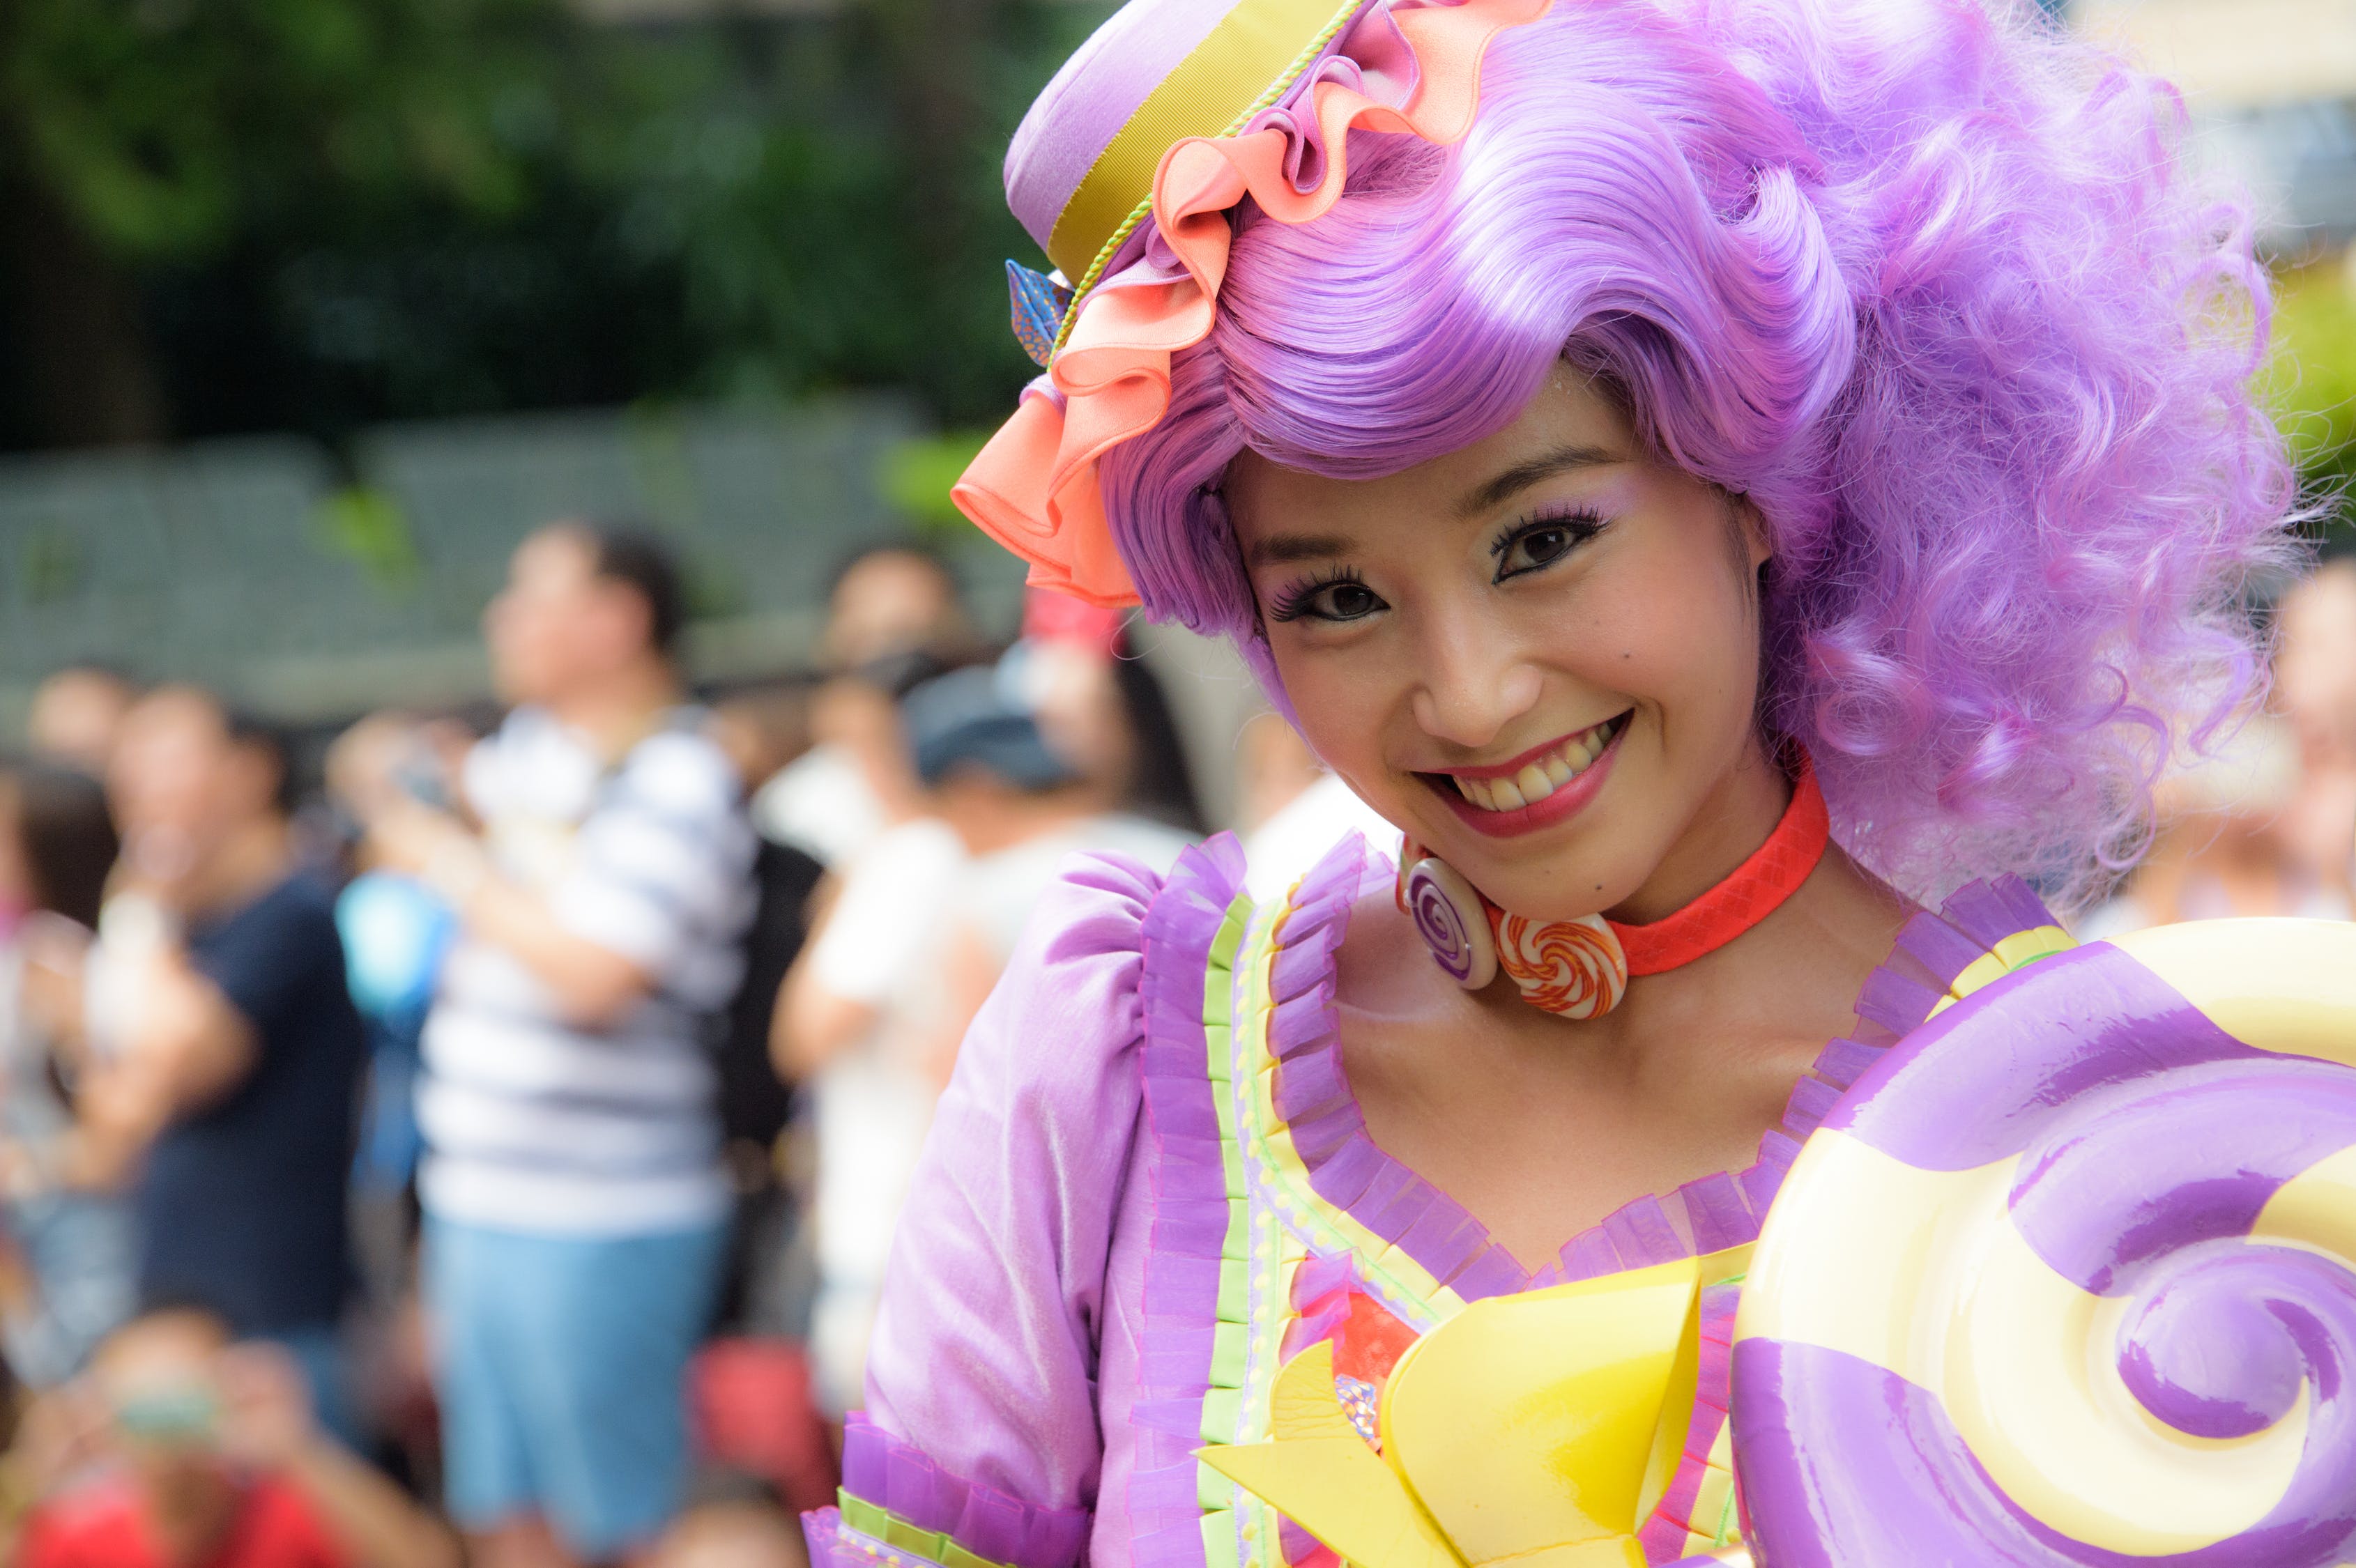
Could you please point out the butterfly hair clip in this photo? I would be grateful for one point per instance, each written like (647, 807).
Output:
(1040, 301)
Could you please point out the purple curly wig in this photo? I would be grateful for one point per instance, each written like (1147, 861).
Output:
(1937, 291)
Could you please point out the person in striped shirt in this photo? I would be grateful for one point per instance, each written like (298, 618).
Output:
(598, 859)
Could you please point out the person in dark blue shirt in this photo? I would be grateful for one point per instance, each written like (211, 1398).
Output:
(227, 1055)
(243, 1199)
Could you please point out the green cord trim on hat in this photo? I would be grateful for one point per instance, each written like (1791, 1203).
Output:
(1307, 56)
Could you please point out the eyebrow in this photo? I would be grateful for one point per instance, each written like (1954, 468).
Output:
(1288, 549)
(1522, 475)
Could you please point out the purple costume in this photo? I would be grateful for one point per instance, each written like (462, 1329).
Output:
(1149, 1187)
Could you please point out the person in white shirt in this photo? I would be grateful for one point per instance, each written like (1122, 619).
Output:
(890, 606)
(871, 1016)
(576, 1202)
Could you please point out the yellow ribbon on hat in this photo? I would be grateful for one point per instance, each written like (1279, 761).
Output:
(1243, 65)
(1542, 1427)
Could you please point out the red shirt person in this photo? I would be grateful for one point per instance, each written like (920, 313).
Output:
(183, 1451)
(105, 1524)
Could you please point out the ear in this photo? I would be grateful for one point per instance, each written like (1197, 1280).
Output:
(1750, 527)
(627, 614)
(256, 773)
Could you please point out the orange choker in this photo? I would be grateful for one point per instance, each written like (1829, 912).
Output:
(1580, 969)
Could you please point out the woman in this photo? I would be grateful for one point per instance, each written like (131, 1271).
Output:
(1635, 441)
(68, 1278)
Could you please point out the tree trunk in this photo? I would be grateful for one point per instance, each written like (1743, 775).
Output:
(83, 367)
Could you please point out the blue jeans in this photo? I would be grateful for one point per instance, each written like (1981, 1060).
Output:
(327, 1367)
(561, 1363)
(84, 1260)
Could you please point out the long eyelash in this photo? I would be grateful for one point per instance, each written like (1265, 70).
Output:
(1583, 521)
(1290, 603)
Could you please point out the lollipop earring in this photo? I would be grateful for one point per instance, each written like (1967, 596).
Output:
(1581, 968)
(1451, 917)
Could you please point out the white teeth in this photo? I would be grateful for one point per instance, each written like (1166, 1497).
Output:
(1542, 777)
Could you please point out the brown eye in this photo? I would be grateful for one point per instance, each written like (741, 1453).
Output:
(1344, 602)
(1534, 546)
(1335, 599)
(1539, 547)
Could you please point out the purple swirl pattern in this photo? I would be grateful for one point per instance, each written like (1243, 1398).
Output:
(1453, 921)
(2121, 1328)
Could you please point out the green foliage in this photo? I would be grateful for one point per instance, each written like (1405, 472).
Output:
(827, 193)
(2311, 380)
(52, 566)
(169, 125)
(381, 208)
(916, 476)
(369, 526)
(2314, 373)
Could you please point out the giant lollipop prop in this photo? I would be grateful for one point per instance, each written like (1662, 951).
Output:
(2069, 1277)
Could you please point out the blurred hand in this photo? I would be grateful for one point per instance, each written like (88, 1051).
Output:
(179, 1001)
(405, 836)
(188, 1047)
(266, 1418)
(57, 958)
(447, 741)
(63, 1432)
(434, 845)
(21, 1175)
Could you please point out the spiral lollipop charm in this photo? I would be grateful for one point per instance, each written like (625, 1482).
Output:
(1572, 968)
(1451, 919)
(2068, 1276)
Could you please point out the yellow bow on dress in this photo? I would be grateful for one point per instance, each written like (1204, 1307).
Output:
(1541, 1427)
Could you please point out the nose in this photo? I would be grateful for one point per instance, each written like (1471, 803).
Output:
(1475, 683)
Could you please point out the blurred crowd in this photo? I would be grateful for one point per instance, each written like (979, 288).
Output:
(2264, 822)
(482, 1142)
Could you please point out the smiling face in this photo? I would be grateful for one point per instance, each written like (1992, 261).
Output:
(1538, 656)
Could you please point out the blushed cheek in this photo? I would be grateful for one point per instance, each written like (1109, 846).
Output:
(1340, 706)
(1714, 685)
(1676, 635)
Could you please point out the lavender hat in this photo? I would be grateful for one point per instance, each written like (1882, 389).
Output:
(1125, 170)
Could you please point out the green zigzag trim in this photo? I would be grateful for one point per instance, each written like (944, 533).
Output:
(882, 1524)
(1222, 1397)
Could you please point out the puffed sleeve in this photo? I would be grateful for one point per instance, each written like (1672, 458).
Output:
(979, 1441)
